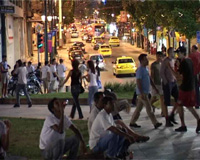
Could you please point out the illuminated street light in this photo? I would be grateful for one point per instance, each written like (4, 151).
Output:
(128, 15)
(49, 18)
(112, 14)
(43, 18)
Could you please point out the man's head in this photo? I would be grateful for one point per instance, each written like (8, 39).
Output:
(19, 62)
(53, 61)
(46, 63)
(54, 107)
(194, 48)
(108, 104)
(143, 59)
(159, 56)
(29, 63)
(61, 60)
(181, 52)
(98, 96)
(4, 57)
(170, 52)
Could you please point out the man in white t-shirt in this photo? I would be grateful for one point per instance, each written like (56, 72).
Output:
(53, 76)
(30, 68)
(98, 96)
(53, 141)
(22, 72)
(61, 69)
(105, 136)
(4, 137)
(46, 76)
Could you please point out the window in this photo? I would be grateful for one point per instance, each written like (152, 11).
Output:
(125, 61)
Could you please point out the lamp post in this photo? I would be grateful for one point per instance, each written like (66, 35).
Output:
(45, 33)
(60, 24)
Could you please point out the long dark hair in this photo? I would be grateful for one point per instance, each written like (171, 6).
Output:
(75, 64)
(91, 66)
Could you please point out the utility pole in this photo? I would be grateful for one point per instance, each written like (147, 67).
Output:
(60, 24)
(45, 34)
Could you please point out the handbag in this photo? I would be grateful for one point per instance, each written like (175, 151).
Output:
(82, 90)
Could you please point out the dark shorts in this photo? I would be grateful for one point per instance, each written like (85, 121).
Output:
(170, 89)
(187, 98)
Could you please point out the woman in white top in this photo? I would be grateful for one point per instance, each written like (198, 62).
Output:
(91, 77)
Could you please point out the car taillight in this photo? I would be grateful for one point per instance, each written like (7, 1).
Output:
(118, 66)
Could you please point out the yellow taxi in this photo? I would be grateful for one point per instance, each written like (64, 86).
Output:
(105, 50)
(124, 65)
(95, 39)
(114, 41)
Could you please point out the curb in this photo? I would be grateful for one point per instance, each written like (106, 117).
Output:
(39, 101)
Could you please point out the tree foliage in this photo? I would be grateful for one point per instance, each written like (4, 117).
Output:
(179, 15)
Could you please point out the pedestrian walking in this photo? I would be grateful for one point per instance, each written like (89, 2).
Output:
(61, 69)
(4, 76)
(75, 75)
(22, 72)
(143, 81)
(186, 90)
(195, 57)
(53, 76)
(45, 76)
(91, 77)
(155, 76)
(83, 69)
(170, 88)
(30, 67)
(98, 75)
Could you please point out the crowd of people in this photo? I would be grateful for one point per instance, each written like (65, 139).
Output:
(108, 134)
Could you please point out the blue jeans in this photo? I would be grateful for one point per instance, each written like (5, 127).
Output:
(24, 88)
(92, 91)
(75, 90)
(112, 144)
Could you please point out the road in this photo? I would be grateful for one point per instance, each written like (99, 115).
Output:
(125, 49)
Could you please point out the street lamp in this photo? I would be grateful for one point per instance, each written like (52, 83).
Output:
(128, 15)
(112, 14)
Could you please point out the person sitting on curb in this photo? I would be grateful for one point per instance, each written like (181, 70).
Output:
(98, 96)
(105, 136)
(4, 137)
(53, 143)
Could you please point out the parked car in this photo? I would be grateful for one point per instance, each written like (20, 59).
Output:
(114, 41)
(77, 54)
(74, 34)
(95, 57)
(105, 50)
(81, 45)
(124, 65)
(72, 48)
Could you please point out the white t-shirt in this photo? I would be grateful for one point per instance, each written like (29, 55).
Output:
(3, 130)
(83, 68)
(45, 70)
(92, 117)
(93, 78)
(61, 70)
(22, 73)
(102, 122)
(52, 70)
(30, 69)
(49, 136)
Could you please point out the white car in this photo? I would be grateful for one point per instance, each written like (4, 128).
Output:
(95, 57)
(74, 34)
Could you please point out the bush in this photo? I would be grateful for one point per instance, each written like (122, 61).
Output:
(119, 87)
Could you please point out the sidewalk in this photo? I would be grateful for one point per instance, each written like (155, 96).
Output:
(164, 142)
